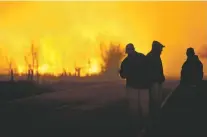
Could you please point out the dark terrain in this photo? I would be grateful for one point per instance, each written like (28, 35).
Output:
(184, 114)
(72, 109)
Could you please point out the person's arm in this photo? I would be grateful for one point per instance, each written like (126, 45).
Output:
(152, 69)
(157, 70)
(163, 78)
(183, 74)
(200, 71)
(162, 73)
(122, 71)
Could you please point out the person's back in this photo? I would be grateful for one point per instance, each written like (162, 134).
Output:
(155, 68)
(154, 62)
(132, 68)
(192, 69)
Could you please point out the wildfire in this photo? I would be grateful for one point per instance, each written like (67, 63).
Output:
(45, 68)
(67, 35)
(94, 68)
(88, 69)
(21, 70)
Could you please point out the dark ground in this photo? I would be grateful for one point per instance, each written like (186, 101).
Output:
(14, 90)
(72, 110)
(184, 114)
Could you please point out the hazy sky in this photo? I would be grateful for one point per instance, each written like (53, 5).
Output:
(69, 33)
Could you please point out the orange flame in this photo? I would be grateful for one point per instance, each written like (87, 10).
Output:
(68, 34)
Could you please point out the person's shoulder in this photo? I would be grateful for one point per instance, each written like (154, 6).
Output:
(140, 54)
(184, 64)
(125, 59)
(149, 54)
(198, 60)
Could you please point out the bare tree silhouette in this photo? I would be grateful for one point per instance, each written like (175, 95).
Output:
(111, 59)
(37, 68)
(35, 60)
(32, 64)
(89, 67)
(77, 71)
(11, 69)
(64, 73)
(29, 69)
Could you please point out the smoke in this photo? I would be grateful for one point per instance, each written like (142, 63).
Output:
(69, 33)
(111, 58)
(203, 51)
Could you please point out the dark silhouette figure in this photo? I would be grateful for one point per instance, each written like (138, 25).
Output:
(192, 69)
(134, 71)
(132, 68)
(155, 76)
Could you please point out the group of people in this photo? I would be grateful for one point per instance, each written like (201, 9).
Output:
(144, 78)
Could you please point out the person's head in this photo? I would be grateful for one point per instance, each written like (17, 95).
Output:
(130, 49)
(157, 47)
(190, 52)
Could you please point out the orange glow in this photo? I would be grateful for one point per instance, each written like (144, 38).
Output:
(94, 68)
(43, 69)
(21, 69)
(68, 34)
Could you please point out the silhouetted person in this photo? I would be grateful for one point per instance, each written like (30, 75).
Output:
(133, 70)
(192, 69)
(156, 77)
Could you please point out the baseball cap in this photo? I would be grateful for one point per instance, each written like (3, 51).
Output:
(157, 44)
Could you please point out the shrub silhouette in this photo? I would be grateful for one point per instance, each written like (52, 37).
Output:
(111, 58)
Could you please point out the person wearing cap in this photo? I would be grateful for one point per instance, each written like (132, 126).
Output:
(192, 69)
(156, 77)
(132, 69)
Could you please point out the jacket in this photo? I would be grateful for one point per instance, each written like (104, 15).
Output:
(192, 71)
(134, 71)
(155, 68)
